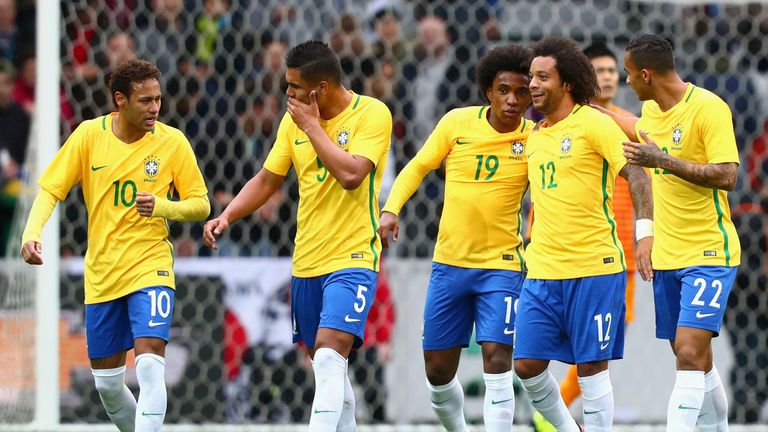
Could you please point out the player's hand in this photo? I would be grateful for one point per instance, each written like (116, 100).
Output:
(32, 252)
(388, 223)
(145, 203)
(643, 257)
(304, 115)
(646, 154)
(212, 229)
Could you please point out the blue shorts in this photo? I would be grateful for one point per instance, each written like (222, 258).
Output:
(459, 297)
(572, 320)
(339, 300)
(691, 297)
(111, 327)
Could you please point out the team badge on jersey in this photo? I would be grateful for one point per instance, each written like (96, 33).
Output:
(518, 149)
(342, 137)
(565, 145)
(151, 168)
(677, 137)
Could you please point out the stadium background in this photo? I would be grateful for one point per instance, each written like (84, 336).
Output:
(223, 62)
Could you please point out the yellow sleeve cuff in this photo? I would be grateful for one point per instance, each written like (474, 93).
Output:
(41, 211)
(191, 209)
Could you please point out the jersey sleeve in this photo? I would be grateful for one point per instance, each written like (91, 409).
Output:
(279, 158)
(187, 178)
(373, 138)
(716, 128)
(66, 169)
(428, 158)
(607, 138)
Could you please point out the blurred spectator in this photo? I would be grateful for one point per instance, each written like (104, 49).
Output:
(164, 34)
(9, 34)
(14, 122)
(216, 18)
(388, 42)
(348, 44)
(24, 94)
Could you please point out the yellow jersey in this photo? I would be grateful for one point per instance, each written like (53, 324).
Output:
(572, 169)
(126, 251)
(336, 228)
(485, 181)
(692, 224)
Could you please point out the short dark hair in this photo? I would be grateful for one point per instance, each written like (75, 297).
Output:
(652, 52)
(509, 57)
(599, 49)
(572, 65)
(315, 61)
(132, 71)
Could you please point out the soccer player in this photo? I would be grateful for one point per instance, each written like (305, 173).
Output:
(689, 143)
(478, 263)
(571, 307)
(129, 165)
(605, 64)
(337, 141)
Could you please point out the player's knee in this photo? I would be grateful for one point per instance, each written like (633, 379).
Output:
(108, 386)
(691, 357)
(439, 372)
(527, 368)
(497, 359)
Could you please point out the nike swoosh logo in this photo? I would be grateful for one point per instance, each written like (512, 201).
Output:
(96, 168)
(297, 142)
(115, 411)
(703, 315)
(460, 142)
(537, 401)
(348, 319)
(155, 324)
(508, 331)
(603, 346)
(144, 413)
(495, 402)
(318, 411)
(683, 407)
(593, 412)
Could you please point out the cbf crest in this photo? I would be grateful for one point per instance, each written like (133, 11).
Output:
(342, 137)
(518, 150)
(566, 143)
(151, 168)
(677, 137)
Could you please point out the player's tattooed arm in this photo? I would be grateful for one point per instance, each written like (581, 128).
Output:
(639, 190)
(720, 176)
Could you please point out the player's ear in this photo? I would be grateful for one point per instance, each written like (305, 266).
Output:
(489, 94)
(646, 76)
(120, 99)
(323, 87)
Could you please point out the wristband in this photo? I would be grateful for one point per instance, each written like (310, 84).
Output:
(643, 228)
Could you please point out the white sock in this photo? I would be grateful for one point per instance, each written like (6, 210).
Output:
(153, 398)
(685, 401)
(598, 402)
(544, 393)
(448, 404)
(116, 398)
(713, 416)
(330, 369)
(347, 421)
(499, 406)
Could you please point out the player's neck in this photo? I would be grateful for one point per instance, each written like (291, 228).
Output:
(337, 101)
(562, 111)
(125, 132)
(669, 91)
(500, 126)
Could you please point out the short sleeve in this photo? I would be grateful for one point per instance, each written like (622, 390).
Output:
(607, 138)
(66, 168)
(716, 127)
(372, 139)
(279, 159)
